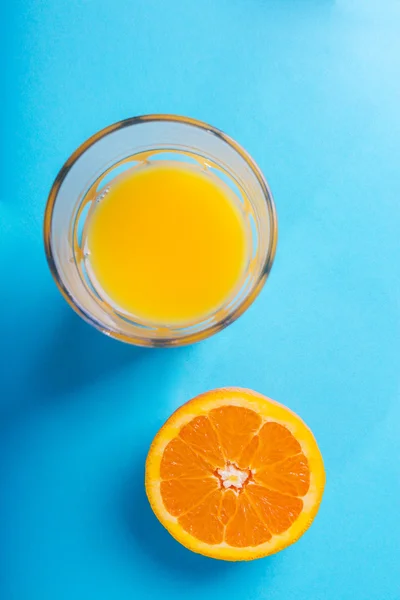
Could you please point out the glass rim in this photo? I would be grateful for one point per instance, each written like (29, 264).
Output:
(190, 337)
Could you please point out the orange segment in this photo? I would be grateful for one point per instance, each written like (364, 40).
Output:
(228, 506)
(246, 528)
(275, 443)
(278, 511)
(236, 427)
(203, 522)
(201, 437)
(290, 476)
(246, 457)
(180, 495)
(180, 461)
(234, 475)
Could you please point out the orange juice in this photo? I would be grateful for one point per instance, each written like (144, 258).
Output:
(167, 244)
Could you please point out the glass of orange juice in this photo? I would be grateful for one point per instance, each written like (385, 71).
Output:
(160, 230)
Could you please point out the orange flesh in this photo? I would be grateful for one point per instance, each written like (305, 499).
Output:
(267, 503)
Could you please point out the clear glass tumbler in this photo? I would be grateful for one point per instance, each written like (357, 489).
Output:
(84, 178)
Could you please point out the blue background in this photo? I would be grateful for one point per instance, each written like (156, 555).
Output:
(311, 88)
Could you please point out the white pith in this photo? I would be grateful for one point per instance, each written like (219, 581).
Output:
(231, 476)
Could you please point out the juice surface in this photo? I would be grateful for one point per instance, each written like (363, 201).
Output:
(167, 244)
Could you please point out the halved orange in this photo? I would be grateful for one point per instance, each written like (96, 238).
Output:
(234, 475)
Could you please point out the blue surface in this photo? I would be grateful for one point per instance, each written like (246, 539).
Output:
(311, 88)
